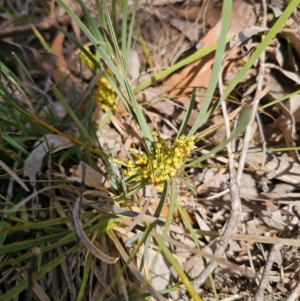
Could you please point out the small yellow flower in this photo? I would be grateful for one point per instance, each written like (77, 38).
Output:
(105, 93)
(85, 60)
(163, 164)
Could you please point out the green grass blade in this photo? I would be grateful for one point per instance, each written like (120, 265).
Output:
(171, 259)
(242, 123)
(187, 224)
(124, 30)
(187, 115)
(27, 244)
(271, 103)
(144, 256)
(121, 77)
(173, 196)
(225, 22)
(72, 114)
(22, 285)
(133, 239)
(20, 63)
(131, 26)
(91, 22)
(80, 46)
(136, 108)
(263, 45)
(187, 184)
(85, 278)
(163, 199)
(14, 144)
(190, 59)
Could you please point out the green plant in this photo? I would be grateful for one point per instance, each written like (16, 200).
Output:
(155, 161)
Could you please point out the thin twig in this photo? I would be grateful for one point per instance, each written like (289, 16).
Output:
(101, 280)
(222, 243)
(68, 275)
(13, 177)
(44, 25)
(237, 297)
(234, 196)
(49, 177)
(264, 143)
(254, 114)
(35, 252)
(218, 195)
(257, 97)
(265, 276)
(77, 213)
(295, 293)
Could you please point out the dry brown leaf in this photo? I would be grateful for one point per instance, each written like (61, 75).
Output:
(209, 15)
(167, 36)
(277, 7)
(84, 239)
(96, 270)
(33, 163)
(291, 75)
(33, 59)
(40, 292)
(61, 72)
(293, 37)
(286, 123)
(294, 106)
(245, 35)
(159, 269)
(267, 240)
(276, 167)
(92, 177)
(187, 244)
(165, 212)
(194, 266)
(272, 224)
(203, 225)
(198, 73)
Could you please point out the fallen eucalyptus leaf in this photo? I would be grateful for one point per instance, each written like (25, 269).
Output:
(33, 163)
(86, 242)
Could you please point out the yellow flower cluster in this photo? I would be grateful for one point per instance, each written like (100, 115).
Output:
(163, 164)
(85, 60)
(105, 93)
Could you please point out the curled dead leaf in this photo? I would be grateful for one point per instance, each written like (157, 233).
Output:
(33, 163)
(84, 239)
(33, 59)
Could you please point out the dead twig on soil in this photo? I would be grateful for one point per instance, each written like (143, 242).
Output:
(234, 196)
(257, 97)
(44, 25)
(234, 178)
(295, 293)
(265, 276)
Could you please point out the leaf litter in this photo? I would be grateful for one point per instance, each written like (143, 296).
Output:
(264, 241)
